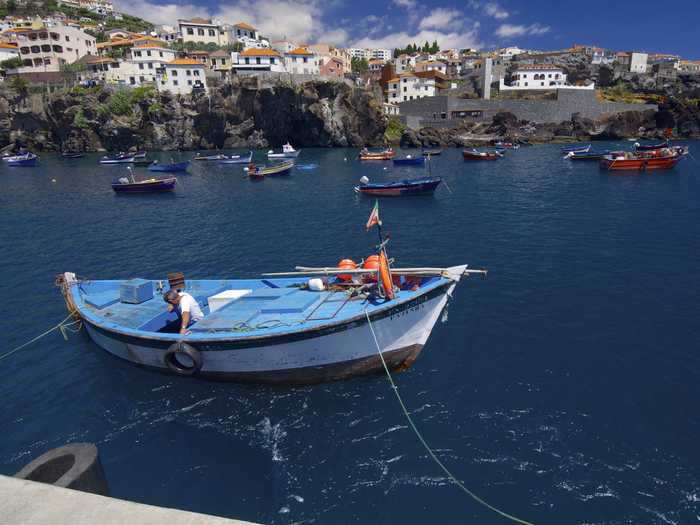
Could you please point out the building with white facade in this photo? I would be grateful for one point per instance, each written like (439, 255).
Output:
(203, 31)
(284, 46)
(368, 54)
(46, 49)
(253, 59)
(411, 86)
(638, 62)
(431, 65)
(326, 53)
(8, 51)
(509, 52)
(538, 77)
(301, 61)
(165, 33)
(404, 63)
(182, 76)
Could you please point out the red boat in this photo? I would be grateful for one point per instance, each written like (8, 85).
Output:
(480, 155)
(662, 159)
(386, 154)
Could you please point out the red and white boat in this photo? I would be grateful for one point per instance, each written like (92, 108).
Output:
(386, 154)
(480, 155)
(660, 159)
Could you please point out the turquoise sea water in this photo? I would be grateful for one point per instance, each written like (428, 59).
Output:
(563, 388)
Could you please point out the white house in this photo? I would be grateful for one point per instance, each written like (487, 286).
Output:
(404, 63)
(144, 63)
(431, 65)
(638, 62)
(8, 51)
(47, 49)
(254, 59)
(509, 52)
(368, 54)
(283, 46)
(539, 76)
(200, 30)
(181, 76)
(301, 61)
(166, 33)
(411, 86)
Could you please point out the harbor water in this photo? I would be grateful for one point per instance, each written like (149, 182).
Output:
(563, 388)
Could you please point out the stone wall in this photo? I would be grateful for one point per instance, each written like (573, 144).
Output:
(418, 112)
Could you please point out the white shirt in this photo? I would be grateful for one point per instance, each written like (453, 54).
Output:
(189, 304)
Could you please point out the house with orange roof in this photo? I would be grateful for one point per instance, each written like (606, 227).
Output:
(203, 31)
(412, 86)
(182, 76)
(302, 61)
(261, 60)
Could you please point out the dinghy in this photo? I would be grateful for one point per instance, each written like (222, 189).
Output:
(170, 168)
(307, 326)
(282, 168)
(26, 160)
(237, 159)
(219, 156)
(120, 158)
(424, 186)
(481, 155)
(386, 154)
(131, 185)
(288, 152)
(576, 148)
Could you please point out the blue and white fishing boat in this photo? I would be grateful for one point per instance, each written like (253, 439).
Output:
(120, 158)
(169, 168)
(288, 152)
(577, 148)
(409, 160)
(307, 326)
(237, 159)
(25, 160)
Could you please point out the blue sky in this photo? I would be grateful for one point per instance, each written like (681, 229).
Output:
(671, 27)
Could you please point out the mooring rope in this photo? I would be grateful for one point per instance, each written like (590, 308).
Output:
(59, 326)
(425, 443)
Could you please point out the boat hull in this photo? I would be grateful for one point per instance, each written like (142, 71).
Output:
(417, 161)
(148, 187)
(333, 353)
(661, 163)
(396, 190)
(467, 155)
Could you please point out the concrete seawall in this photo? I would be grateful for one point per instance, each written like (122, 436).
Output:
(447, 111)
(30, 503)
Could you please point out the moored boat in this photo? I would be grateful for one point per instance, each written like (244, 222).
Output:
(589, 155)
(506, 145)
(651, 147)
(409, 160)
(124, 185)
(307, 326)
(219, 156)
(139, 154)
(576, 148)
(288, 152)
(170, 168)
(386, 154)
(238, 159)
(25, 160)
(662, 159)
(431, 152)
(480, 155)
(283, 168)
(72, 155)
(120, 158)
(423, 186)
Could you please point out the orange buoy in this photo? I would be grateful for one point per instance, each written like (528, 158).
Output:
(371, 263)
(346, 264)
(385, 276)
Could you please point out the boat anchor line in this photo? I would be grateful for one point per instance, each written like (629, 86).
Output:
(427, 447)
(62, 326)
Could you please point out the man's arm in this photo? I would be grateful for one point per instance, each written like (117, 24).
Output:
(185, 322)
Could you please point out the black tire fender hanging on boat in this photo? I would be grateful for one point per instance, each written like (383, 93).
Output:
(175, 365)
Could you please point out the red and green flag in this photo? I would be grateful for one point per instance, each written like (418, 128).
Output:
(374, 217)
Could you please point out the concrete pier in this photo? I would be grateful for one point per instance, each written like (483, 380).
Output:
(25, 502)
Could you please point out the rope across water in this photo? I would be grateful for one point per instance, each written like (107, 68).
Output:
(59, 326)
(425, 443)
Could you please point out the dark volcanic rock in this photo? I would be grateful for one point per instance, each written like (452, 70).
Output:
(235, 114)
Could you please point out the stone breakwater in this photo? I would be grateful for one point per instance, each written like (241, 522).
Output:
(234, 115)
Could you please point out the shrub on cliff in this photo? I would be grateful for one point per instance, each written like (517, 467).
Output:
(394, 129)
(79, 120)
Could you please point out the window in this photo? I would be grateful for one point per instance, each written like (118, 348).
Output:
(175, 83)
(247, 60)
(190, 31)
(24, 50)
(405, 89)
(55, 36)
(67, 38)
(47, 61)
(140, 65)
(58, 49)
(526, 83)
(150, 65)
(160, 53)
(305, 60)
(189, 82)
(27, 62)
(196, 72)
(141, 79)
(35, 49)
(43, 36)
(148, 53)
(212, 32)
(174, 72)
(132, 80)
(257, 60)
(272, 61)
(162, 82)
(188, 73)
(200, 32)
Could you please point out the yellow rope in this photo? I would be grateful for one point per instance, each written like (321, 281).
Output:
(57, 327)
(428, 448)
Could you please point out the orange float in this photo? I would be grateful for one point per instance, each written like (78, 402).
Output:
(385, 276)
(346, 264)
(371, 263)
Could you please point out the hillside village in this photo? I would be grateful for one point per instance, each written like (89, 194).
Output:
(88, 43)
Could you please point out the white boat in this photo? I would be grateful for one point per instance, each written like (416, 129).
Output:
(288, 152)
(237, 159)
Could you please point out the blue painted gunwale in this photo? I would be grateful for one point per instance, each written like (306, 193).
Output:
(261, 336)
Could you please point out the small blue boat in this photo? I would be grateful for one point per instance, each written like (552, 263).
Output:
(424, 186)
(409, 160)
(651, 147)
(576, 148)
(26, 160)
(588, 155)
(170, 168)
(120, 158)
(237, 159)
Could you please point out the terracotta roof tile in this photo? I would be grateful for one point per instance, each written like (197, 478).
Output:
(185, 62)
(255, 52)
(243, 25)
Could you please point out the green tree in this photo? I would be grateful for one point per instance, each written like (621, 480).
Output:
(359, 65)
(435, 47)
(11, 63)
(426, 47)
(19, 84)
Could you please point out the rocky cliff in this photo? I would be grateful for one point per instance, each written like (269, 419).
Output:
(239, 114)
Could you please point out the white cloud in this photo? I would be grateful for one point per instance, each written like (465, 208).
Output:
(442, 18)
(405, 3)
(509, 30)
(335, 37)
(450, 40)
(496, 11)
